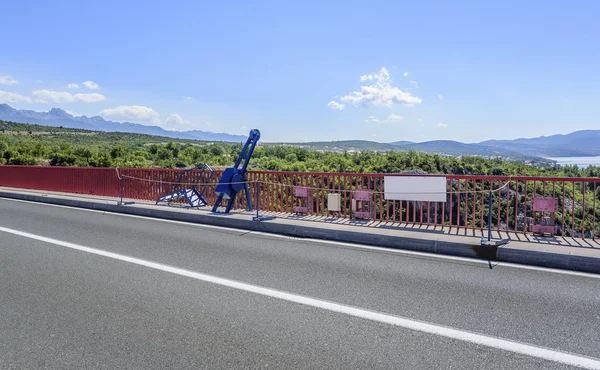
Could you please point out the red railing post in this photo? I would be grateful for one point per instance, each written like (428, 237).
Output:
(594, 215)
(450, 205)
(573, 212)
(507, 203)
(583, 210)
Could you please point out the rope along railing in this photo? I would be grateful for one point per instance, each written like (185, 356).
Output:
(257, 184)
(466, 205)
(197, 184)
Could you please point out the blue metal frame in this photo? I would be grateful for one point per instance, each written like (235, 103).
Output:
(234, 178)
(193, 196)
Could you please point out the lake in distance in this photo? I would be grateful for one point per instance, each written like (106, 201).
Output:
(582, 162)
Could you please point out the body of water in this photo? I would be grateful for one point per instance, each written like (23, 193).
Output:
(582, 162)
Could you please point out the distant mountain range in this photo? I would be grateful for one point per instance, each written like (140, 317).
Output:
(577, 144)
(585, 143)
(57, 117)
(582, 143)
(341, 145)
(442, 147)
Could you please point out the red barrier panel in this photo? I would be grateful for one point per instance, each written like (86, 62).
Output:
(94, 181)
(465, 206)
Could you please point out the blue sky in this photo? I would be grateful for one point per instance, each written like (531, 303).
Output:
(474, 70)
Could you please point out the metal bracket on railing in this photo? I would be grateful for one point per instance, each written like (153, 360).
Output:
(121, 180)
(258, 217)
(489, 242)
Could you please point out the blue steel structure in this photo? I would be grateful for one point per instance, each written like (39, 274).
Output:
(234, 178)
(193, 196)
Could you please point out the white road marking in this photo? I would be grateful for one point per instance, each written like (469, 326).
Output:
(329, 242)
(425, 327)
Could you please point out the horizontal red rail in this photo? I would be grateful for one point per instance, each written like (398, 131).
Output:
(465, 207)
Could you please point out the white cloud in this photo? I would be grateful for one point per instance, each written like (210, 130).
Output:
(10, 97)
(187, 98)
(89, 98)
(405, 74)
(73, 86)
(420, 120)
(91, 85)
(132, 112)
(336, 106)
(143, 114)
(441, 125)
(47, 96)
(414, 83)
(441, 96)
(177, 123)
(7, 80)
(373, 135)
(175, 119)
(394, 118)
(381, 93)
(390, 119)
(372, 119)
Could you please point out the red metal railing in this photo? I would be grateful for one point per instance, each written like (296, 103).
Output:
(96, 181)
(466, 205)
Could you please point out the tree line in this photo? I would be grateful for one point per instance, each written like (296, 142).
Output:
(22, 144)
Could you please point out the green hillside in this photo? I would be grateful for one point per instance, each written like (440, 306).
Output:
(22, 144)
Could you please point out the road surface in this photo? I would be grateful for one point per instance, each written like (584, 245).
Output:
(84, 289)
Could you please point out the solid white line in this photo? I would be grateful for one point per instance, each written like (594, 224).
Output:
(329, 242)
(462, 335)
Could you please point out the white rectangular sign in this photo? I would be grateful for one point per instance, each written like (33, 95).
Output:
(333, 202)
(421, 188)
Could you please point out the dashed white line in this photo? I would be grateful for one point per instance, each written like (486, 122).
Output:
(425, 327)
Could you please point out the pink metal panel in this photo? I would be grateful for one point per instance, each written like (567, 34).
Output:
(362, 195)
(301, 191)
(544, 204)
(543, 229)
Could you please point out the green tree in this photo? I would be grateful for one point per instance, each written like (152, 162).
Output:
(117, 151)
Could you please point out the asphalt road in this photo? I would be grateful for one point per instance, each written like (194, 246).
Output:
(65, 307)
